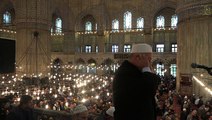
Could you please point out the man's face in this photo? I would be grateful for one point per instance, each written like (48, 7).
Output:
(145, 59)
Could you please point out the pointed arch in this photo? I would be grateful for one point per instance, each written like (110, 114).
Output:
(88, 23)
(174, 20)
(115, 25)
(57, 61)
(7, 18)
(80, 61)
(57, 22)
(162, 17)
(96, 12)
(91, 61)
(127, 20)
(7, 13)
(158, 61)
(140, 23)
(107, 61)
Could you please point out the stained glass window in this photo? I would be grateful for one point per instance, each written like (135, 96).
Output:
(127, 20)
(7, 18)
(174, 20)
(140, 23)
(160, 22)
(88, 26)
(115, 25)
(58, 25)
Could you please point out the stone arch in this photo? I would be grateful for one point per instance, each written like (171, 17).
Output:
(56, 14)
(161, 7)
(63, 11)
(169, 4)
(107, 61)
(99, 14)
(85, 19)
(172, 61)
(167, 13)
(158, 60)
(120, 61)
(7, 6)
(57, 61)
(133, 10)
(80, 61)
(91, 60)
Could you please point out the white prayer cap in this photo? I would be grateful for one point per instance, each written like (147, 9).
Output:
(110, 111)
(79, 109)
(141, 48)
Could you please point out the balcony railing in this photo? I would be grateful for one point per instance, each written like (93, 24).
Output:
(43, 114)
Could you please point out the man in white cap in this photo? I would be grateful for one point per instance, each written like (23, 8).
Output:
(134, 86)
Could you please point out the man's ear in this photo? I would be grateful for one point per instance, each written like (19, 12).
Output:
(138, 56)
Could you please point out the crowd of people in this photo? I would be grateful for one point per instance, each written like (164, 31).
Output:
(97, 109)
(133, 92)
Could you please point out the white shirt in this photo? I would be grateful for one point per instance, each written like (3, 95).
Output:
(146, 69)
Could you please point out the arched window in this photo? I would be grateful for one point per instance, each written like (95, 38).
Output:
(127, 48)
(160, 48)
(88, 26)
(127, 20)
(58, 25)
(160, 69)
(140, 23)
(173, 70)
(115, 25)
(115, 48)
(96, 26)
(160, 22)
(174, 20)
(88, 48)
(7, 18)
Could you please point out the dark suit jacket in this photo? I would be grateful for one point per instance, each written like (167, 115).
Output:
(20, 114)
(133, 93)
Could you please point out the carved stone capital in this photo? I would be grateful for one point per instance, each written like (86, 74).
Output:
(196, 9)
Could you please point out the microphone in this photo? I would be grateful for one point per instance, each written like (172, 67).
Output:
(209, 69)
(194, 65)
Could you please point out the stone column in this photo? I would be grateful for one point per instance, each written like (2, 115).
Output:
(33, 36)
(194, 36)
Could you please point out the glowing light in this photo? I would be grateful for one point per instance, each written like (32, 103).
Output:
(84, 100)
(47, 106)
(207, 89)
(97, 97)
(200, 82)
(55, 95)
(83, 92)
(92, 89)
(203, 85)
(66, 104)
(38, 98)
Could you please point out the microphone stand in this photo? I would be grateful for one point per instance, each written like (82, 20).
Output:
(209, 69)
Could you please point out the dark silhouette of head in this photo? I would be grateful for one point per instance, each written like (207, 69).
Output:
(26, 101)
